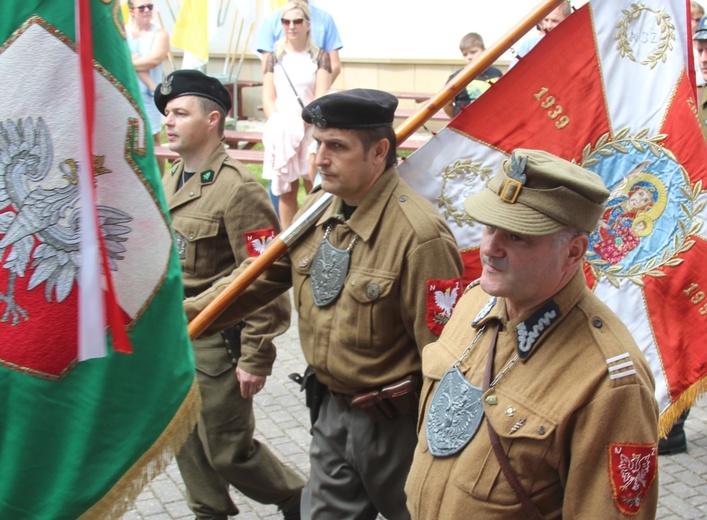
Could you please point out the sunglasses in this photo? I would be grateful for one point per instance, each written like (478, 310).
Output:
(296, 22)
(143, 8)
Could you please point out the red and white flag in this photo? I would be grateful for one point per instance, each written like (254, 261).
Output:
(607, 88)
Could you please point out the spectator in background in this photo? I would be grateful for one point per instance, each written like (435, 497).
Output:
(471, 46)
(149, 46)
(697, 12)
(551, 21)
(324, 34)
(296, 73)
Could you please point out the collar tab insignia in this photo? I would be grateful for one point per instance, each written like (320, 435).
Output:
(484, 312)
(531, 330)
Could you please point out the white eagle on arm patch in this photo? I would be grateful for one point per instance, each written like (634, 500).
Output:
(260, 243)
(446, 299)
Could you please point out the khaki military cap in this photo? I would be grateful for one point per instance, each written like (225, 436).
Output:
(536, 193)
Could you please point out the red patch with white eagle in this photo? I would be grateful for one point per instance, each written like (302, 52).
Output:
(256, 241)
(632, 470)
(442, 296)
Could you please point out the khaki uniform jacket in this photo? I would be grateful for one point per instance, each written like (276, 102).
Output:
(211, 216)
(559, 413)
(702, 115)
(373, 333)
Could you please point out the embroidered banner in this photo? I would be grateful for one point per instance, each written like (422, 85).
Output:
(82, 438)
(620, 104)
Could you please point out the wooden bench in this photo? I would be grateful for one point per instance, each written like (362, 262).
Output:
(404, 113)
(419, 97)
(243, 155)
(238, 98)
(249, 139)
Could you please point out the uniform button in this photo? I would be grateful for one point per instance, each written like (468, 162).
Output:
(191, 193)
(510, 411)
(191, 236)
(373, 290)
(541, 430)
(304, 262)
(403, 198)
(353, 283)
(597, 323)
(492, 400)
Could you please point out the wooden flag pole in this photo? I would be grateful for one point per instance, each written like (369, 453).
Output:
(230, 43)
(281, 243)
(169, 6)
(169, 53)
(242, 57)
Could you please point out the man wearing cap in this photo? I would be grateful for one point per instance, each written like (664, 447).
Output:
(374, 279)
(700, 46)
(536, 402)
(222, 216)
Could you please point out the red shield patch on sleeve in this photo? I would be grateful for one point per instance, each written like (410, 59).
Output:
(442, 295)
(632, 469)
(256, 241)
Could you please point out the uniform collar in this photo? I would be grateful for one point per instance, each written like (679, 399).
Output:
(531, 330)
(368, 214)
(205, 176)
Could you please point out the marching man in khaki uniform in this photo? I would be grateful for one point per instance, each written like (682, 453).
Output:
(374, 279)
(222, 216)
(536, 402)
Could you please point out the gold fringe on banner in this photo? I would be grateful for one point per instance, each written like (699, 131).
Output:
(118, 500)
(678, 407)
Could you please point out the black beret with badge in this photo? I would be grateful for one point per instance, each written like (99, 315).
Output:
(191, 83)
(355, 108)
(537, 193)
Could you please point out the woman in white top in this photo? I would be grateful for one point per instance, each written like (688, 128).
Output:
(295, 74)
(149, 46)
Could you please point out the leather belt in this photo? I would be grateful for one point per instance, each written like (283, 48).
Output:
(343, 400)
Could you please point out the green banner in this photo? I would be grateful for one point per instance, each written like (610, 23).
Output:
(81, 439)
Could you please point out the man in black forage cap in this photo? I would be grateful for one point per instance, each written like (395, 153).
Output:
(374, 279)
(222, 216)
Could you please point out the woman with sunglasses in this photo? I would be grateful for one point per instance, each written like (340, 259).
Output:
(295, 74)
(149, 46)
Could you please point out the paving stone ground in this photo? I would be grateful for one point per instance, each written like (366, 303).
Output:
(282, 421)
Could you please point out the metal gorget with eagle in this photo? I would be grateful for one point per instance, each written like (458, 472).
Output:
(329, 269)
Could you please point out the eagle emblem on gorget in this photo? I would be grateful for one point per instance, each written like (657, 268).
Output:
(39, 217)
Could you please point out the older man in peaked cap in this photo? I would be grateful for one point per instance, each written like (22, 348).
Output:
(222, 216)
(536, 401)
(374, 279)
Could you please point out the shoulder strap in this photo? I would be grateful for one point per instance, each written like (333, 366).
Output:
(289, 80)
(530, 508)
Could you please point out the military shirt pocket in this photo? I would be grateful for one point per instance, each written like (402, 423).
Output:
(368, 297)
(210, 356)
(526, 436)
(192, 233)
(301, 270)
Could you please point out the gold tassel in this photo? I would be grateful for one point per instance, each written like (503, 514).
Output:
(118, 500)
(678, 407)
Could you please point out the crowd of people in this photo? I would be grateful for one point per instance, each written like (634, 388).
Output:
(396, 430)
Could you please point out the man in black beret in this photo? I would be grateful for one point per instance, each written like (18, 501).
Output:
(374, 279)
(221, 216)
